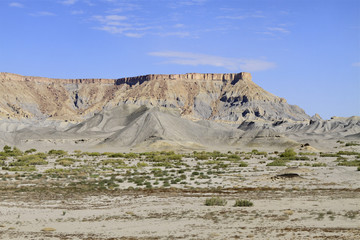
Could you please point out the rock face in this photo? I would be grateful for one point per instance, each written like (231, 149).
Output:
(230, 98)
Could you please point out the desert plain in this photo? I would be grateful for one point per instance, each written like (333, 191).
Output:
(167, 195)
(183, 156)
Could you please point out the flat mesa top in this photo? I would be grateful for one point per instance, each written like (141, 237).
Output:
(187, 76)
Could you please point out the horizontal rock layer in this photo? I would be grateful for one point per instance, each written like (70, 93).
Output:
(230, 98)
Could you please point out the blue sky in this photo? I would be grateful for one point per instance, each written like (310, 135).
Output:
(307, 51)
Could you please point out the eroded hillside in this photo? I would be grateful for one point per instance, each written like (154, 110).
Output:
(221, 97)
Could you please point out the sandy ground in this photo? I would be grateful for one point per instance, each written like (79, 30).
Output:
(317, 203)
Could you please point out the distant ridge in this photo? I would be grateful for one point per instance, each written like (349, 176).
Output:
(229, 97)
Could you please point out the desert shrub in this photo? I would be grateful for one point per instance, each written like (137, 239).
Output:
(328, 155)
(307, 154)
(32, 150)
(93, 154)
(348, 153)
(29, 160)
(66, 161)
(21, 169)
(174, 157)
(11, 153)
(243, 203)
(131, 155)
(354, 163)
(358, 168)
(201, 156)
(142, 164)
(243, 164)
(233, 157)
(352, 144)
(215, 201)
(7, 148)
(216, 154)
(256, 152)
(57, 152)
(289, 152)
(113, 162)
(115, 155)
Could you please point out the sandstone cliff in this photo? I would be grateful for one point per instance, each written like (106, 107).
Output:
(222, 97)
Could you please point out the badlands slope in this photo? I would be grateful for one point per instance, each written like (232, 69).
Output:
(178, 112)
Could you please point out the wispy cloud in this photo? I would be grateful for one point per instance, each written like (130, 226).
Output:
(195, 59)
(178, 34)
(356, 64)
(278, 29)
(134, 35)
(241, 17)
(186, 3)
(275, 31)
(119, 24)
(43, 14)
(69, 2)
(77, 12)
(16, 4)
(124, 7)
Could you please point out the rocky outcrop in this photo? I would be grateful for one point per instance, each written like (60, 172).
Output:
(230, 98)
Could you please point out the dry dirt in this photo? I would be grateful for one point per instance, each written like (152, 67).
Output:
(101, 197)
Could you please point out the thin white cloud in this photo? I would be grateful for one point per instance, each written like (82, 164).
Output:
(16, 4)
(195, 59)
(238, 17)
(178, 34)
(134, 35)
(356, 64)
(69, 2)
(119, 24)
(43, 14)
(77, 12)
(278, 29)
(110, 19)
(179, 25)
(124, 7)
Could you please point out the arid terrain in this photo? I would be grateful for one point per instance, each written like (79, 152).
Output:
(164, 195)
(183, 156)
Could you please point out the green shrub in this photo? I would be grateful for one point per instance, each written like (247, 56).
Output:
(243, 203)
(215, 201)
(113, 162)
(142, 164)
(289, 152)
(201, 156)
(131, 155)
(66, 161)
(243, 164)
(352, 144)
(115, 155)
(348, 153)
(22, 169)
(7, 148)
(256, 152)
(328, 155)
(354, 163)
(29, 160)
(57, 152)
(307, 153)
(30, 151)
(233, 157)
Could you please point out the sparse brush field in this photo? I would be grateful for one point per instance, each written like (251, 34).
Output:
(167, 195)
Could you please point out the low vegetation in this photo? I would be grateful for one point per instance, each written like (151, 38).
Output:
(215, 201)
(243, 203)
